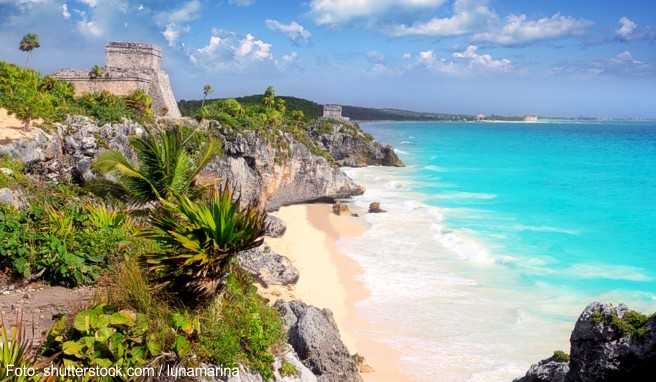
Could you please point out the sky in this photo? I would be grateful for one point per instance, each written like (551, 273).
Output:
(546, 57)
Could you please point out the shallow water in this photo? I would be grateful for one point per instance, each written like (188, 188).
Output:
(498, 235)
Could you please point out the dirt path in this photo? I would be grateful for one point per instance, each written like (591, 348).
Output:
(38, 304)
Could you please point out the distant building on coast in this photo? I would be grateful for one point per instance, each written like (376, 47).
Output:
(129, 66)
(531, 118)
(333, 112)
(480, 117)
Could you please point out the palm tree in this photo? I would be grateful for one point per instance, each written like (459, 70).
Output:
(165, 166)
(207, 90)
(200, 241)
(269, 98)
(28, 43)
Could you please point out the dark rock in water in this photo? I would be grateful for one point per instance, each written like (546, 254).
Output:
(610, 344)
(341, 209)
(274, 226)
(547, 370)
(313, 334)
(374, 208)
(268, 267)
(351, 147)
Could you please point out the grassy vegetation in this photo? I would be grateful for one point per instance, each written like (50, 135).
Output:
(560, 356)
(31, 96)
(632, 323)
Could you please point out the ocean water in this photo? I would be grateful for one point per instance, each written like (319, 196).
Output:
(499, 234)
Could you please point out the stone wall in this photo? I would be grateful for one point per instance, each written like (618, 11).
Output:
(129, 66)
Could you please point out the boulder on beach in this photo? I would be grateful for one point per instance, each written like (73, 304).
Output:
(267, 266)
(341, 209)
(374, 208)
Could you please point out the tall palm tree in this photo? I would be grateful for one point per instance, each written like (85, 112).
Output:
(269, 98)
(28, 43)
(207, 90)
(165, 165)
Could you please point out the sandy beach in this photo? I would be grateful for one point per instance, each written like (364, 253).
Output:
(329, 279)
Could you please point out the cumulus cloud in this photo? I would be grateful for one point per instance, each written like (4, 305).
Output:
(483, 61)
(519, 30)
(331, 12)
(90, 3)
(295, 31)
(468, 16)
(172, 33)
(229, 51)
(626, 29)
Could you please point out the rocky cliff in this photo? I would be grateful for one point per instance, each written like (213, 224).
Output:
(609, 343)
(350, 146)
(249, 160)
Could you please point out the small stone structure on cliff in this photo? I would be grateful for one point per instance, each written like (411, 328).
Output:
(333, 112)
(129, 66)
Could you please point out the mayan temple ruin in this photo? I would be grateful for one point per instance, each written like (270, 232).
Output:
(129, 66)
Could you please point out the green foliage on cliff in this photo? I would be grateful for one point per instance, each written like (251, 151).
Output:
(560, 356)
(30, 96)
(61, 236)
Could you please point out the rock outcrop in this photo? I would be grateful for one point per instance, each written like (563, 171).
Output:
(254, 163)
(268, 267)
(609, 343)
(274, 226)
(313, 334)
(351, 147)
(374, 208)
(14, 198)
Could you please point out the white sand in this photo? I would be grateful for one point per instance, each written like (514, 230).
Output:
(328, 279)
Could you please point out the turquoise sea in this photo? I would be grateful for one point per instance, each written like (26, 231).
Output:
(499, 234)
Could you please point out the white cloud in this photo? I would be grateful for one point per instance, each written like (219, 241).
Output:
(407, 56)
(89, 28)
(483, 61)
(375, 56)
(90, 3)
(295, 31)
(228, 51)
(241, 3)
(212, 46)
(256, 49)
(626, 29)
(174, 21)
(519, 30)
(172, 33)
(330, 12)
(64, 11)
(468, 16)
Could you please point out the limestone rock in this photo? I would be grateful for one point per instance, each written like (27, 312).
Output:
(314, 335)
(351, 147)
(37, 145)
(13, 198)
(274, 226)
(268, 267)
(604, 347)
(374, 208)
(547, 370)
(602, 352)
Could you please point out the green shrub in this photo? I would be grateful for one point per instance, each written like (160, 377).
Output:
(200, 240)
(288, 370)
(15, 350)
(560, 356)
(102, 336)
(239, 327)
(59, 238)
(11, 173)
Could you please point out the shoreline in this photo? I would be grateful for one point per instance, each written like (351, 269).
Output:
(330, 279)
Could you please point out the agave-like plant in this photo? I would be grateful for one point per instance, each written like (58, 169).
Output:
(200, 240)
(15, 350)
(165, 165)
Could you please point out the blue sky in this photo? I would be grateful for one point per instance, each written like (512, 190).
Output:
(551, 57)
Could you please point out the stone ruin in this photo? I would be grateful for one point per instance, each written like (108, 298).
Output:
(129, 66)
